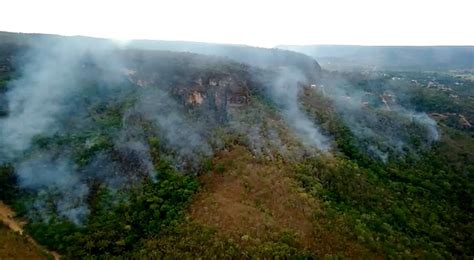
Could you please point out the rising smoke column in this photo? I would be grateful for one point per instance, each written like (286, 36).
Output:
(381, 127)
(181, 134)
(51, 74)
(50, 174)
(284, 93)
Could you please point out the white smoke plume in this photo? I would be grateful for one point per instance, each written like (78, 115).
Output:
(284, 92)
(46, 173)
(50, 77)
(184, 136)
(383, 124)
(41, 95)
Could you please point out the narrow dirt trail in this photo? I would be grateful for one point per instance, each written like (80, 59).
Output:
(7, 217)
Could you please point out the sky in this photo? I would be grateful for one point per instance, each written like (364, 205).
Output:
(257, 23)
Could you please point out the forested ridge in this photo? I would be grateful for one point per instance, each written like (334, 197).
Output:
(123, 152)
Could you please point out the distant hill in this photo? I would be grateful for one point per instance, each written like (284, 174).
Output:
(259, 57)
(151, 149)
(389, 57)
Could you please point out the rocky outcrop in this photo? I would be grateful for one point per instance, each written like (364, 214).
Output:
(209, 93)
(464, 122)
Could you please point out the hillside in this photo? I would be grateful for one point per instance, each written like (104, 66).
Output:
(134, 152)
(259, 57)
(389, 57)
(16, 244)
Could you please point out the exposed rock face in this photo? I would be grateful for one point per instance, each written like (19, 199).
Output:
(217, 95)
(211, 95)
(195, 98)
(464, 122)
(214, 94)
(237, 92)
(438, 116)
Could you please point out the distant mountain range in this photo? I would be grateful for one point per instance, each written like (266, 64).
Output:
(389, 57)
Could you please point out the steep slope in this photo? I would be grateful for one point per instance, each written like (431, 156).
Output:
(16, 244)
(118, 152)
(255, 203)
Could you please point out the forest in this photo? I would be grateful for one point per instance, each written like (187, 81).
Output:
(135, 152)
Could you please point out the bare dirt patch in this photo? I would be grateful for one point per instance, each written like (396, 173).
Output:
(6, 216)
(14, 243)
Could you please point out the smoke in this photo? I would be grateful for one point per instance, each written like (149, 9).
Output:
(131, 142)
(44, 173)
(258, 57)
(40, 97)
(284, 93)
(428, 122)
(185, 137)
(54, 72)
(378, 121)
(263, 140)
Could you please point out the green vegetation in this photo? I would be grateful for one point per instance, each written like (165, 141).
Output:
(402, 209)
(417, 205)
(119, 224)
(262, 194)
(8, 183)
